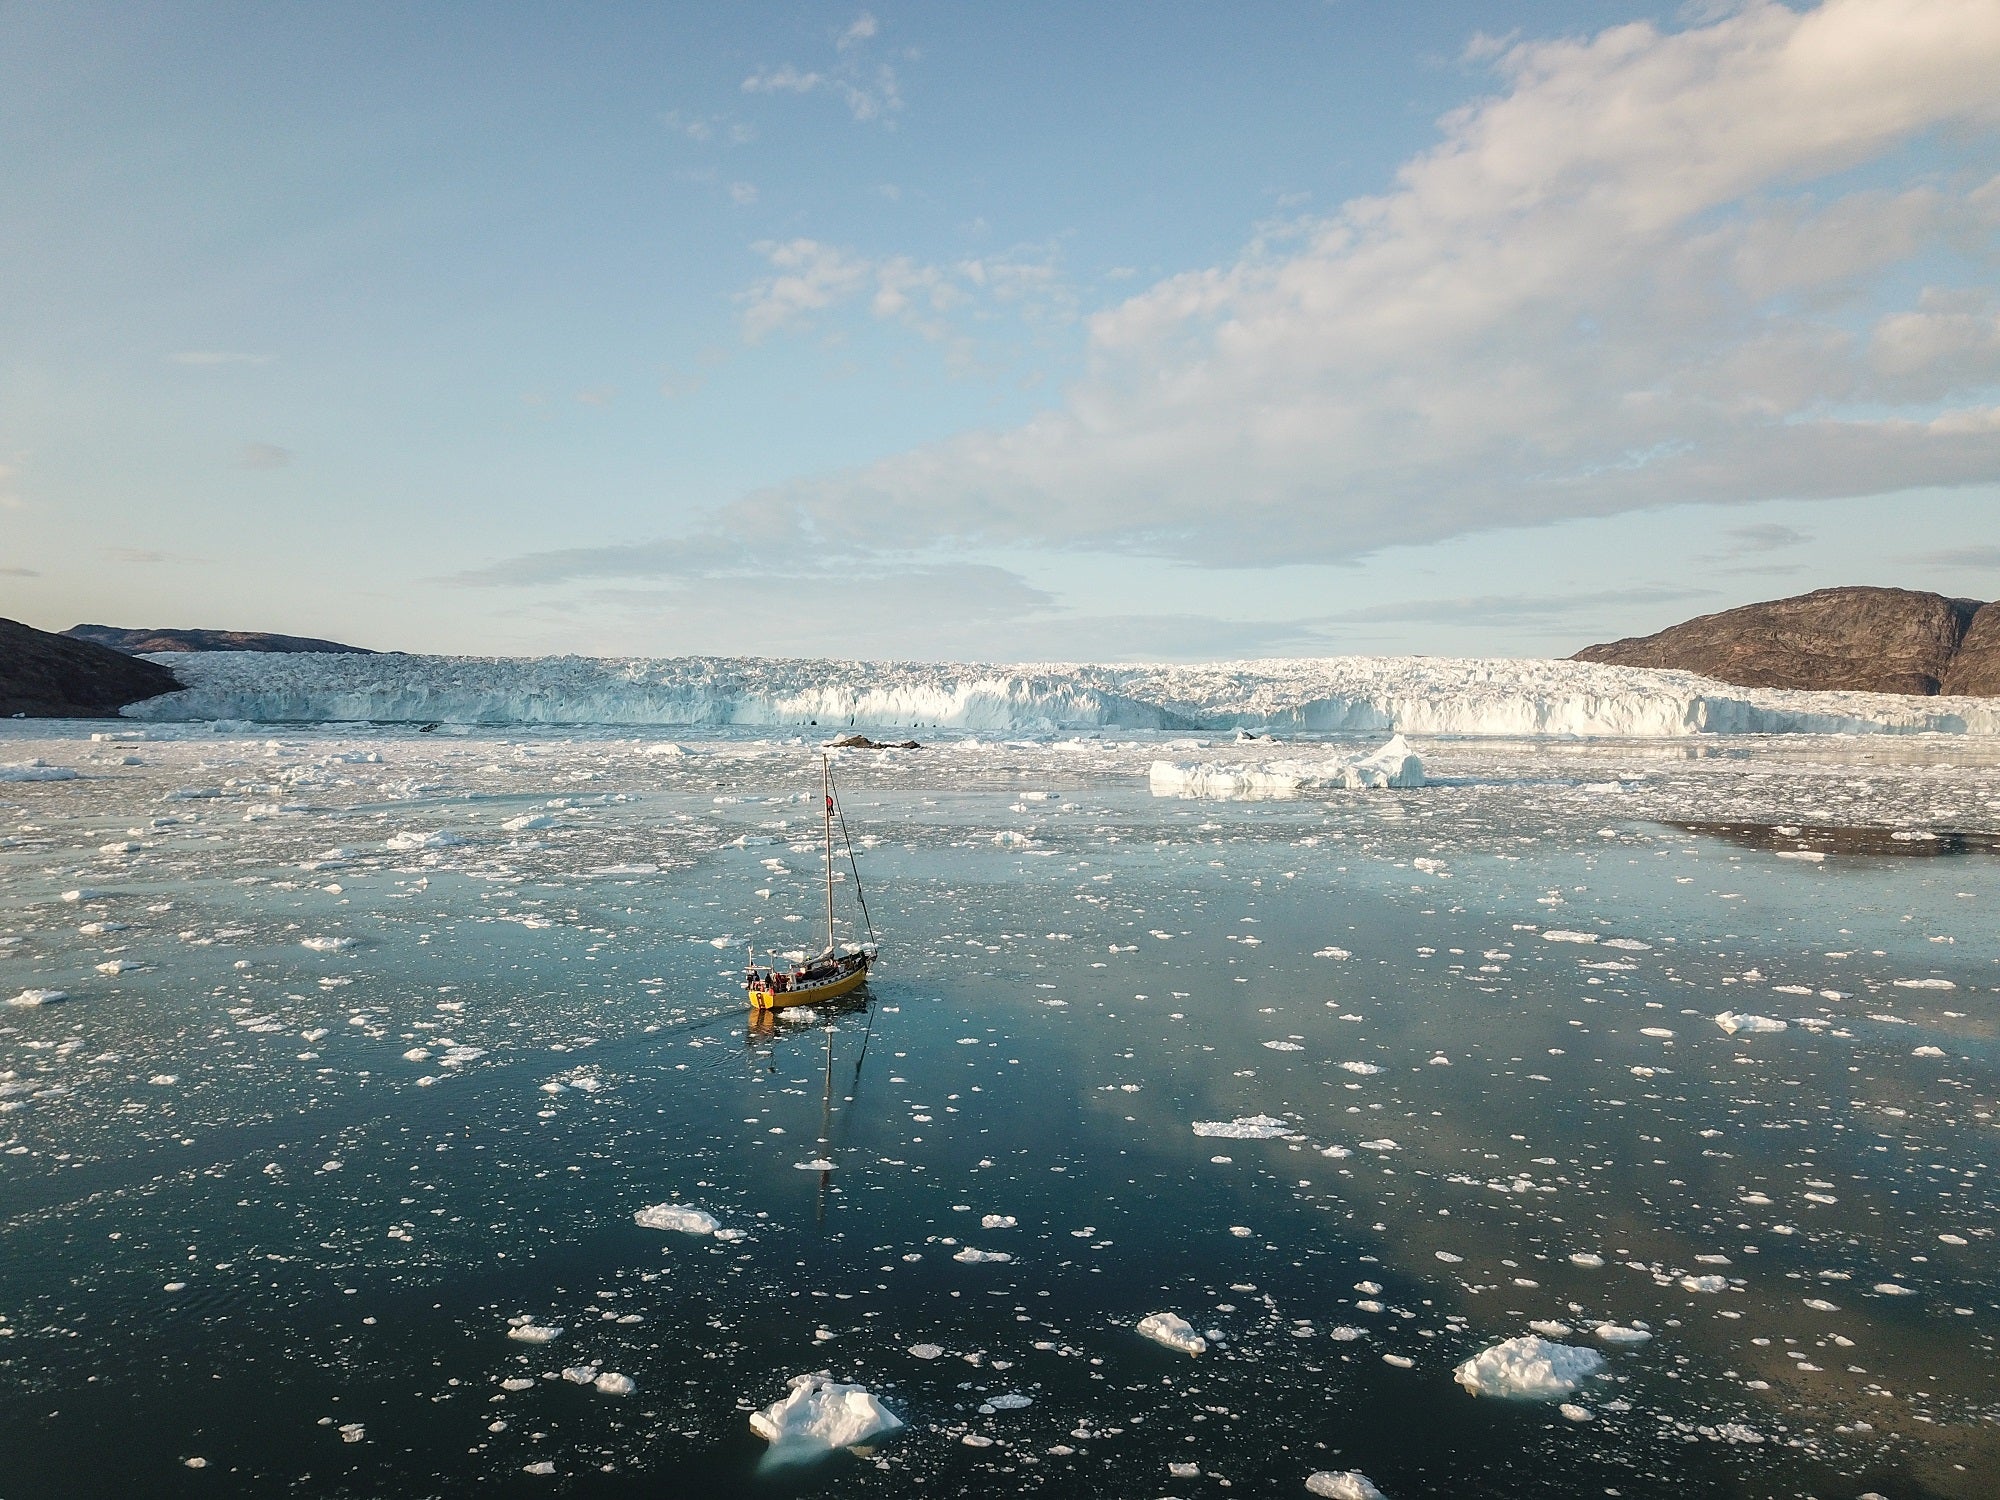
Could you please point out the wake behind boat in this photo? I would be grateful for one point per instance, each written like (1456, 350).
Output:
(839, 969)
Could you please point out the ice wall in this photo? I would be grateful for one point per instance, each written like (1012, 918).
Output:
(1354, 694)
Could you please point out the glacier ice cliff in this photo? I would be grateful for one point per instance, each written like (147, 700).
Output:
(1342, 694)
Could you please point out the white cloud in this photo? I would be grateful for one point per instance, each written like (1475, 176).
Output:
(810, 277)
(1602, 290)
(743, 194)
(859, 30)
(871, 91)
(1640, 273)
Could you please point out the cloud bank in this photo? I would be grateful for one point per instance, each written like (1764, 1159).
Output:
(1654, 267)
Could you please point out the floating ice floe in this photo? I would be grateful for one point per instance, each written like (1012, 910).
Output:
(1394, 766)
(926, 1351)
(1244, 1128)
(1618, 1333)
(1925, 984)
(35, 770)
(971, 1257)
(410, 841)
(819, 1415)
(1173, 1331)
(39, 997)
(1362, 1069)
(327, 944)
(678, 1217)
(1344, 1484)
(998, 1221)
(534, 1333)
(611, 1383)
(1528, 1368)
(530, 822)
(1735, 1022)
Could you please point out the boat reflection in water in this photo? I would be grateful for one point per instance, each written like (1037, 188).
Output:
(766, 1033)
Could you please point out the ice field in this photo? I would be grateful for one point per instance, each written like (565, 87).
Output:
(379, 1116)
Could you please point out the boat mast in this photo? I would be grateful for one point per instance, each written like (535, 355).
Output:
(826, 795)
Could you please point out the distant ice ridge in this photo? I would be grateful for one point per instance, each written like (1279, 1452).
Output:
(1341, 694)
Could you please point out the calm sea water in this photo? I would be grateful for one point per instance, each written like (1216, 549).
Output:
(363, 1096)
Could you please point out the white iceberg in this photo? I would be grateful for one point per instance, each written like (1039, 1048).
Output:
(1344, 1484)
(1735, 1022)
(1395, 765)
(819, 1415)
(1173, 1331)
(1528, 1368)
(1244, 1128)
(35, 770)
(678, 1217)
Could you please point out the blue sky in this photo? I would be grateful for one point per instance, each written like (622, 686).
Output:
(1038, 331)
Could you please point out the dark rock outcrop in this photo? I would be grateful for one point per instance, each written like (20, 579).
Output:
(49, 676)
(1975, 671)
(1847, 639)
(139, 642)
(862, 742)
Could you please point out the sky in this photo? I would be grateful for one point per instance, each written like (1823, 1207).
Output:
(1127, 331)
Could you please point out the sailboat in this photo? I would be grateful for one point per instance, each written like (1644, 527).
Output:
(839, 969)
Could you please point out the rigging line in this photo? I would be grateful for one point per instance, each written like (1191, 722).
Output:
(841, 813)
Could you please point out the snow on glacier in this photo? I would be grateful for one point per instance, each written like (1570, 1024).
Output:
(1347, 694)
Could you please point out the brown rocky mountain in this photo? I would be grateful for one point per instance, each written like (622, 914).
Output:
(48, 676)
(1852, 639)
(138, 642)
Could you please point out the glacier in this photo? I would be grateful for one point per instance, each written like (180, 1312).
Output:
(1329, 695)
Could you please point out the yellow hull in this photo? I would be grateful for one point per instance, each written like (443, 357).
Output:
(807, 994)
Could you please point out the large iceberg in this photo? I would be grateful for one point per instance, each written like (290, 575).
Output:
(1394, 765)
(1528, 1368)
(818, 1415)
(1338, 695)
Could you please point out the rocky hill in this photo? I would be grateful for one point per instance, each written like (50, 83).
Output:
(139, 642)
(46, 676)
(1846, 639)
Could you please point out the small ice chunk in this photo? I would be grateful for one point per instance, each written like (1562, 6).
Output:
(676, 1216)
(327, 944)
(1893, 1289)
(1734, 1022)
(926, 1351)
(1618, 1333)
(1244, 1128)
(539, 1466)
(971, 1257)
(1344, 1484)
(1173, 1331)
(1384, 1144)
(1009, 1401)
(613, 1384)
(580, 1374)
(39, 997)
(1925, 984)
(1530, 1368)
(1559, 935)
(819, 1415)
(1361, 1069)
(534, 1333)
(1574, 1413)
(1705, 1283)
(1284, 1046)
(998, 1221)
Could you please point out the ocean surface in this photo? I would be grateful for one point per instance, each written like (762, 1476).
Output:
(357, 1052)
